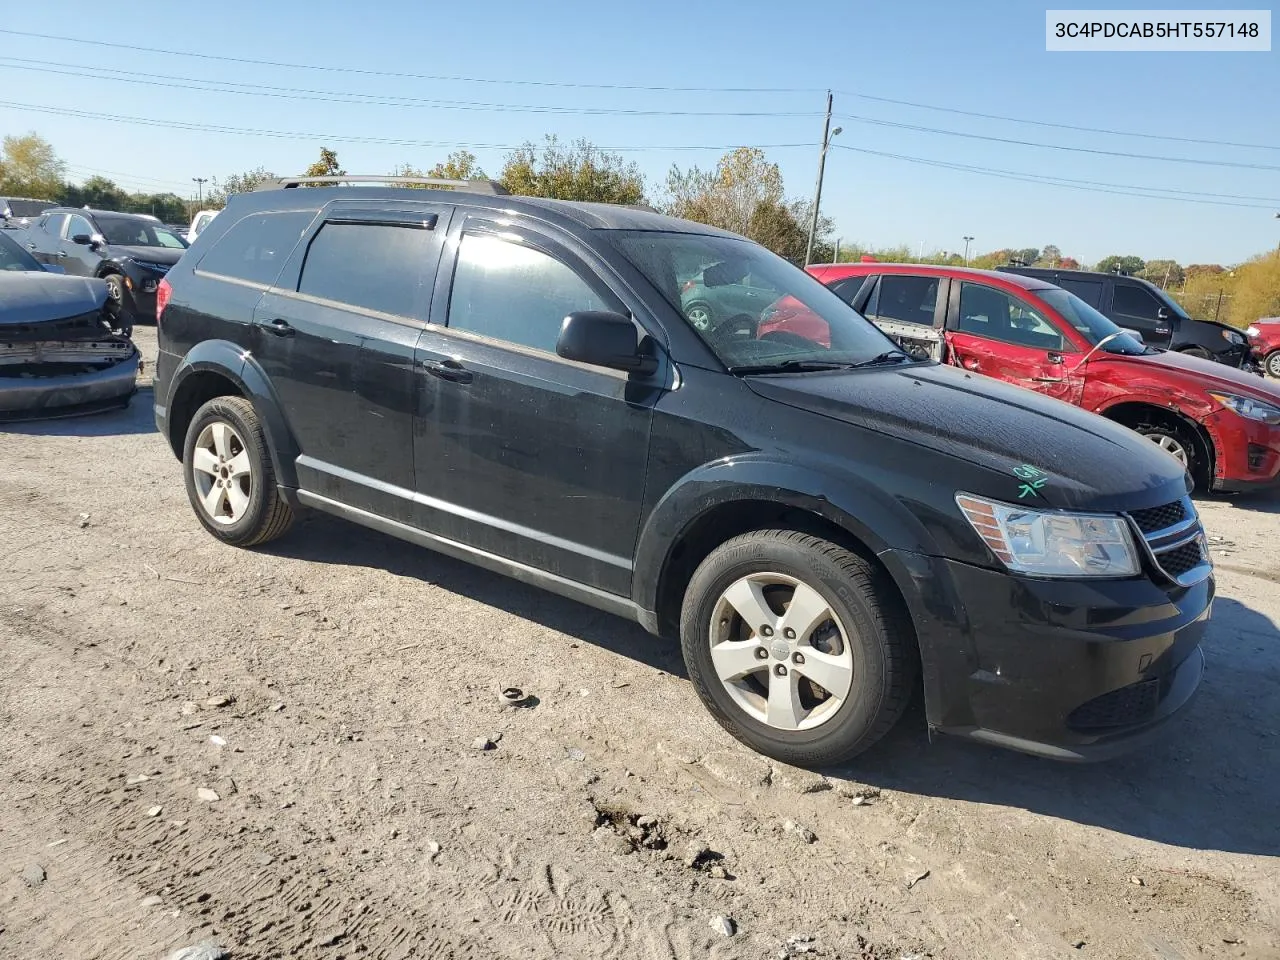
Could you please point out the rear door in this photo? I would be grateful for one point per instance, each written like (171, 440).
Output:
(911, 310)
(999, 335)
(1134, 307)
(78, 258)
(336, 335)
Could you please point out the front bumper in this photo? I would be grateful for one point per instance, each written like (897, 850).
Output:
(1073, 670)
(1247, 453)
(34, 398)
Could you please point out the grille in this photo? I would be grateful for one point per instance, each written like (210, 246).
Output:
(1158, 518)
(1178, 561)
(1119, 708)
(1257, 457)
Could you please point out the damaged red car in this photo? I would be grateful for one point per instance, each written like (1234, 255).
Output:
(1223, 424)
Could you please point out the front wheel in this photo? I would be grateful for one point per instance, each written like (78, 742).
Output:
(699, 316)
(797, 646)
(1178, 442)
(1272, 364)
(230, 479)
(120, 316)
(1200, 352)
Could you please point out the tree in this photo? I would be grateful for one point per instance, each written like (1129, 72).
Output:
(1163, 273)
(1130, 264)
(326, 166)
(577, 171)
(1068, 263)
(1257, 290)
(1051, 255)
(30, 167)
(459, 165)
(245, 182)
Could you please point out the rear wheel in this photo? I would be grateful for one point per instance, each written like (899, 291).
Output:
(700, 316)
(1272, 364)
(230, 479)
(797, 646)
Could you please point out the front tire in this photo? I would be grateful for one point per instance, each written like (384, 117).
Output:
(118, 308)
(1179, 443)
(1200, 352)
(798, 647)
(1272, 364)
(700, 316)
(231, 482)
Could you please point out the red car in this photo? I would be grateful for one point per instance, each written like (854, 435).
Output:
(1222, 423)
(1264, 341)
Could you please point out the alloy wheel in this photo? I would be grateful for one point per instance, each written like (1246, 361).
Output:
(1170, 444)
(1273, 364)
(780, 651)
(700, 317)
(222, 472)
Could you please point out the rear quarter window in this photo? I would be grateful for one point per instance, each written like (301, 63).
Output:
(256, 247)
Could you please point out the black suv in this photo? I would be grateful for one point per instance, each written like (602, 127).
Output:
(131, 251)
(827, 527)
(1142, 306)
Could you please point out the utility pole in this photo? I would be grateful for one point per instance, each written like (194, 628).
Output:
(836, 258)
(967, 241)
(200, 182)
(827, 134)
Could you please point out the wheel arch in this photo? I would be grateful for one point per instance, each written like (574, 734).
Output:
(1136, 413)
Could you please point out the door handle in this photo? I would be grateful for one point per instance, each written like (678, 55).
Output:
(61, 253)
(1047, 380)
(450, 370)
(31, 246)
(281, 328)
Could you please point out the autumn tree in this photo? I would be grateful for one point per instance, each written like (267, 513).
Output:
(244, 182)
(1127, 264)
(459, 165)
(1163, 273)
(1257, 289)
(576, 171)
(326, 166)
(1050, 256)
(30, 167)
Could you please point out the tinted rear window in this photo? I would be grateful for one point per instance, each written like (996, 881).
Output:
(27, 208)
(256, 247)
(1090, 291)
(376, 266)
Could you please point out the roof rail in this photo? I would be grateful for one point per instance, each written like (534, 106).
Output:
(472, 186)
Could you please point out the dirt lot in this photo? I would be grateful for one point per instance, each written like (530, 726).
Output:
(330, 690)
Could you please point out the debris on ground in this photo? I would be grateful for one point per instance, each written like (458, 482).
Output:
(154, 811)
(217, 741)
(83, 520)
(204, 950)
(136, 779)
(484, 743)
(573, 753)
(724, 926)
(33, 875)
(803, 832)
(152, 901)
(190, 708)
(432, 848)
(220, 701)
(611, 841)
(798, 945)
(512, 697)
(205, 795)
(696, 854)
(1137, 881)
(918, 878)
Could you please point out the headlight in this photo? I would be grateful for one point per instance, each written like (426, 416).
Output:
(1232, 336)
(1252, 332)
(1052, 544)
(1249, 408)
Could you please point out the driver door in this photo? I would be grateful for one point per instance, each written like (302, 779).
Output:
(998, 335)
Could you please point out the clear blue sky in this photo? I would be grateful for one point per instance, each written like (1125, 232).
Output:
(987, 57)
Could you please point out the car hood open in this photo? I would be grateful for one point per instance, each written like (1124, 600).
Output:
(37, 296)
(1090, 462)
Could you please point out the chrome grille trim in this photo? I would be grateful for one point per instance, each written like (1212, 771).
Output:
(1157, 543)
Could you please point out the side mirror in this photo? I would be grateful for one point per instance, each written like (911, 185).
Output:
(83, 239)
(1164, 313)
(603, 339)
(1137, 334)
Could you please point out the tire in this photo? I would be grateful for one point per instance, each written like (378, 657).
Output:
(231, 482)
(1200, 352)
(867, 628)
(1180, 443)
(1272, 364)
(119, 311)
(700, 316)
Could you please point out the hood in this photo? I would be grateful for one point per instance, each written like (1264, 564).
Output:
(35, 297)
(1089, 462)
(1207, 374)
(147, 254)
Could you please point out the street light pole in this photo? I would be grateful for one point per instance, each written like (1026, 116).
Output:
(827, 134)
(967, 241)
(200, 182)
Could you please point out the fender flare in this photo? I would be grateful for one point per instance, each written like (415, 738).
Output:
(1201, 420)
(866, 512)
(232, 362)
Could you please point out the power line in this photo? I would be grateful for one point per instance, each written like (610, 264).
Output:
(346, 138)
(1047, 180)
(1059, 126)
(98, 171)
(1057, 146)
(361, 99)
(134, 48)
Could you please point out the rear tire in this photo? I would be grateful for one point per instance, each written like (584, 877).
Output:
(231, 482)
(1272, 364)
(846, 671)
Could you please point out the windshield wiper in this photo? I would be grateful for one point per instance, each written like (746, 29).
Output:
(793, 366)
(889, 356)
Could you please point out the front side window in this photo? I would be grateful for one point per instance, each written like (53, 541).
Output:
(508, 291)
(995, 315)
(377, 266)
(130, 232)
(798, 323)
(53, 224)
(79, 226)
(906, 299)
(255, 248)
(1089, 323)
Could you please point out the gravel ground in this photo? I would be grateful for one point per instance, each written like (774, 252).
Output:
(280, 751)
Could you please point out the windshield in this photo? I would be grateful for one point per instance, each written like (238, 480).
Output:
(13, 257)
(755, 310)
(1091, 325)
(128, 232)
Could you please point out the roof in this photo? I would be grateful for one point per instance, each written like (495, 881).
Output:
(834, 270)
(100, 213)
(591, 216)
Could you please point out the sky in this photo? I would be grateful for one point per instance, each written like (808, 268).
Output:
(498, 73)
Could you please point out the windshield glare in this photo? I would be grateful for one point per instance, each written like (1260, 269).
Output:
(1090, 324)
(138, 233)
(751, 307)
